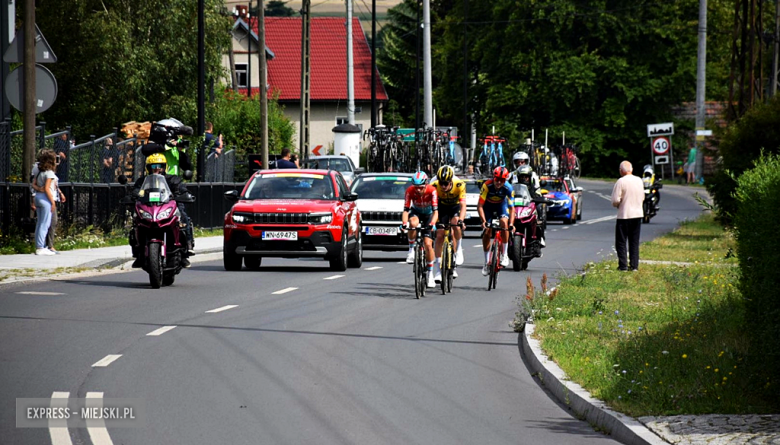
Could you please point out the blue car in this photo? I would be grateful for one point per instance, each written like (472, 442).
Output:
(564, 201)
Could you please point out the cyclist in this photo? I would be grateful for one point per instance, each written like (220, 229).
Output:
(451, 192)
(496, 200)
(521, 159)
(421, 208)
(524, 175)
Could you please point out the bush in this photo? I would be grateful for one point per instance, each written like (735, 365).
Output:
(757, 243)
(741, 145)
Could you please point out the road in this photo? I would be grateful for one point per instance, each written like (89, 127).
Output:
(297, 354)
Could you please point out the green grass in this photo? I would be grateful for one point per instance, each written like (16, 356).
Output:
(666, 340)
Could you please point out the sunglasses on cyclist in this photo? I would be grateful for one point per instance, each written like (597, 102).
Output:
(157, 166)
(445, 184)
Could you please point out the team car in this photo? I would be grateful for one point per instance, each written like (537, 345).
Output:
(473, 187)
(381, 204)
(293, 214)
(564, 200)
(577, 191)
(340, 163)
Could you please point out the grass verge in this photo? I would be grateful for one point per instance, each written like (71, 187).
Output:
(666, 340)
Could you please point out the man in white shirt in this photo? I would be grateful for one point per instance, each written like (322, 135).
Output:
(628, 196)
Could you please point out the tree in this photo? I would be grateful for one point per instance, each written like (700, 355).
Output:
(276, 8)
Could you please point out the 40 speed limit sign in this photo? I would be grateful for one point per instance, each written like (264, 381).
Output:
(661, 146)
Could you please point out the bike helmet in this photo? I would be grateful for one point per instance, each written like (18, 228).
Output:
(156, 160)
(445, 174)
(521, 156)
(524, 173)
(420, 178)
(500, 173)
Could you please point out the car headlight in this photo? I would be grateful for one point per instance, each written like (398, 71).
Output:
(145, 215)
(242, 218)
(164, 214)
(559, 202)
(320, 218)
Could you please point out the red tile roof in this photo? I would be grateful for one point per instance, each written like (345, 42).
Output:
(328, 59)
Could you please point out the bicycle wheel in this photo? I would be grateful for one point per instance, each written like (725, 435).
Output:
(445, 265)
(492, 260)
(496, 266)
(422, 278)
(416, 269)
(450, 267)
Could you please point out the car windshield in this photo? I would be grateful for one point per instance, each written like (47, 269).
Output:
(381, 187)
(155, 190)
(290, 186)
(553, 186)
(472, 188)
(341, 165)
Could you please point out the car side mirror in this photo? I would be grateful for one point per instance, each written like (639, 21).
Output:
(187, 174)
(232, 196)
(579, 189)
(360, 170)
(351, 197)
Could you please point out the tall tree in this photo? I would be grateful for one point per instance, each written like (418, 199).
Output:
(276, 8)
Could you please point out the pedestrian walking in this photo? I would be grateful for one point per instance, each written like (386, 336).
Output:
(45, 202)
(691, 169)
(628, 194)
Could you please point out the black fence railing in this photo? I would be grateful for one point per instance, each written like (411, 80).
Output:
(98, 205)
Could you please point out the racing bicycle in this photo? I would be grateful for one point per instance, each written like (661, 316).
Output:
(447, 258)
(420, 264)
(497, 246)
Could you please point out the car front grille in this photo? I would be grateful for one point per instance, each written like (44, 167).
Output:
(281, 218)
(381, 216)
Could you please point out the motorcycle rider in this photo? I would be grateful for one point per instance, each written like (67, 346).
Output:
(524, 175)
(648, 179)
(156, 164)
(521, 159)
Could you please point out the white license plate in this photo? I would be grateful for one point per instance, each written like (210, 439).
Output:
(386, 231)
(284, 236)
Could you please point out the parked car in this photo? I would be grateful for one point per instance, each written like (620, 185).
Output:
(381, 204)
(578, 192)
(293, 214)
(342, 164)
(473, 187)
(564, 200)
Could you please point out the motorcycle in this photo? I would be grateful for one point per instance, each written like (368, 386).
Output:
(157, 227)
(652, 197)
(524, 245)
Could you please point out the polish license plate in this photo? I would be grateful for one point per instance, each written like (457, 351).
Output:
(283, 236)
(385, 231)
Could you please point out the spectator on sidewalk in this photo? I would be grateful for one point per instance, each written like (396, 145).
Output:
(628, 195)
(107, 162)
(45, 201)
(285, 161)
(691, 165)
(212, 143)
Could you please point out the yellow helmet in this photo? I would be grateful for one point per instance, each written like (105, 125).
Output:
(156, 160)
(445, 174)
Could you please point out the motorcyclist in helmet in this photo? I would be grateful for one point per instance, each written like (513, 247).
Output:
(648, 179)
(521, 159)
(165, 137)
(156, 164)
(525, 176)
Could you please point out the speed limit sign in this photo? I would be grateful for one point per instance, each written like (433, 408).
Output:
(660, 145)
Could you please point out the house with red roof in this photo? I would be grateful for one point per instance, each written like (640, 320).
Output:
(328, 88)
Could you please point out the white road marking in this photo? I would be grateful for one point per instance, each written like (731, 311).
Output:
(601, 195)
(565, 228)
(478, 245)
(40, 293)
(160, 331)
(285, 290)
(374, 268)
(402, 262)
(598, 220)
(97, 427)
(223, 308)
(107, 360)
(334, 277)
(59, 434)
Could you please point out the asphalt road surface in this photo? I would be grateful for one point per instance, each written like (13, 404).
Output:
(298, 354)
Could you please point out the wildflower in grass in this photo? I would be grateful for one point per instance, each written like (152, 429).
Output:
(617, 312)
(664, 352)
(716, 370)
(544, 283)
(720, 355)
(685, 356)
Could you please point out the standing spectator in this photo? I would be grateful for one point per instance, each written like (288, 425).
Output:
(294, 160)
(62, 151)
(285, 162)
(628, 195)
(692, 165)
(212, 143)
(45, 202)
(107, 162)
(58, 198)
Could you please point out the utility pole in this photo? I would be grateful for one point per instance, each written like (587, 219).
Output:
(373, 63)
(350, 68)
(465, 75)
(8, 22)
(201, 86)
(701, 71)
(775, 78)
(29, 88)
(305, 78)
(263, 82)
(427, 82)
(249, 53)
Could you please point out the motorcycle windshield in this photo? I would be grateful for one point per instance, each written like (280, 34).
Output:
(522, 195)
(155, 190)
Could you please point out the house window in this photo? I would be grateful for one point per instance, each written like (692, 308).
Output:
(241, 75)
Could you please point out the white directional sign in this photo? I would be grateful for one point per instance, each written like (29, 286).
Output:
(660, 145)
(665, 129)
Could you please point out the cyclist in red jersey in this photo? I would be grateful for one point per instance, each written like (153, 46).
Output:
(421, 208)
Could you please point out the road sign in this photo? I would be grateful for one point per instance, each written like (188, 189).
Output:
(316, 150)
(661, 160)
(703, 132)
(45, 88)
(660, 145)
(43, 52)
(665, 129)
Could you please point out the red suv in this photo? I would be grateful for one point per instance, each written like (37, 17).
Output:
(293, 214)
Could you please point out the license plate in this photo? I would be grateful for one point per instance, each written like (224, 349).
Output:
(386, 231)
(283, 236)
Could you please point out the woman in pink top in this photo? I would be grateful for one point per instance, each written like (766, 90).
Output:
(628, 195)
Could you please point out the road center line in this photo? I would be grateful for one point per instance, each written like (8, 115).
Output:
(285, 290)
(374, 268)
(107, 360)
(334, 277)
(40, 293)
(598, 220)
(223, 308)
(97, 427)
(59, 434)
(160, 331)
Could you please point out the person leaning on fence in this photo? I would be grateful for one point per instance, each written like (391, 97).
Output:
(628, 194)
(107, 162)
(45, 201)
(212, 143)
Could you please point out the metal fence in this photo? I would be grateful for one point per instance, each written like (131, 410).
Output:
(221, 168)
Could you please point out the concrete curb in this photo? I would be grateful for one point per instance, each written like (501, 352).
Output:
(111, 263)
(622, 428)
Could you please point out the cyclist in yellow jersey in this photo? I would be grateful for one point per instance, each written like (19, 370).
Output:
(452, 208)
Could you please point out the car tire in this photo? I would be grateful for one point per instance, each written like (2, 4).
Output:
(230, 259)
(355, 259)
(339, 260)
(252, 262)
